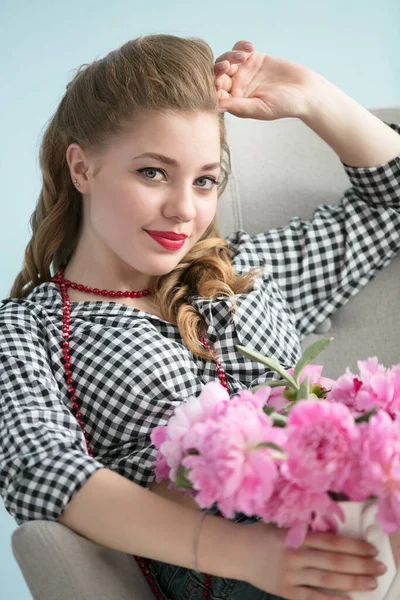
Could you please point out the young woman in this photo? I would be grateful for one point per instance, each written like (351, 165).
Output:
(129, 301)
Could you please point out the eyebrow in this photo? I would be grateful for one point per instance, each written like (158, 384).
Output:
(171, 161)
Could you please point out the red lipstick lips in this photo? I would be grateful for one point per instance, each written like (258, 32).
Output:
(168, 239)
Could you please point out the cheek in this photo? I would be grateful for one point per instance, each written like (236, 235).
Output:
(206, 212)
(122, 206)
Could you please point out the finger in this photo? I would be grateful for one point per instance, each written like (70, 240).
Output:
(240, 46)
(341, 563)
(306, 593)
(225, 67)
(336, 581)
(244, 45)
(339, 543)
(223, 82)
(234, 57)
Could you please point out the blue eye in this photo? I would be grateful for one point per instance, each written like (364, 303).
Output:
(149, 169)
(144, 170)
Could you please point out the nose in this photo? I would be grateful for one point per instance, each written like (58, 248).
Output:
(180, 203)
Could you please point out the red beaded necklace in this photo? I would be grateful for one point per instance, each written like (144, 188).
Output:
(64, 284)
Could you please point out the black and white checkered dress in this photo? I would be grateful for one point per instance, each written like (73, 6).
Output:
(132, 369)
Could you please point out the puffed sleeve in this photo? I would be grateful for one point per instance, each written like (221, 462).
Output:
(43, 454)
(319, 264)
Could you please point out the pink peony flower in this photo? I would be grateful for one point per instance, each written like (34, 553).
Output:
(158, 437)
(375, 386)
(394, 407)
(254, 401)
(168, 438)
(375, 469)
(230, 469)
(279, 401)
(321, 436)
(299, 509)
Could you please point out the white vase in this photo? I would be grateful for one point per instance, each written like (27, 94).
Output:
(360, 523)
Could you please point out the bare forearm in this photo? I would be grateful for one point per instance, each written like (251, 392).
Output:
(117, 513)
(359, 138)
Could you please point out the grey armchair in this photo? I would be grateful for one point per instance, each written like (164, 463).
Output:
(280, 169)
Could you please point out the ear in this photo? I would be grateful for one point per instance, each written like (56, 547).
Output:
(79, 167)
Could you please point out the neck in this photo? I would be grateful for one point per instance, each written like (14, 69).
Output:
(94, 265)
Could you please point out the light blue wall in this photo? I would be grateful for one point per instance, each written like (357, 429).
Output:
(354, 43)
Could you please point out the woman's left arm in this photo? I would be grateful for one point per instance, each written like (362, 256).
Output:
(358, 137)
(254, 85)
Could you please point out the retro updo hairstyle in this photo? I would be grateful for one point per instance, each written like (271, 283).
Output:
(158, 73)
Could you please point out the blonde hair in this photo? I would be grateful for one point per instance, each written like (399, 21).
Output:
(156, 72)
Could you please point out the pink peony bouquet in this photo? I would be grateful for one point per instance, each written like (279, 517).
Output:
(290, 451)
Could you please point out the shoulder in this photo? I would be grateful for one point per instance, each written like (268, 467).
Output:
(25, 315)
(245, 254)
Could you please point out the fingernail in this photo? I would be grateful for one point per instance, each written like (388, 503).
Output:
(238, 55)
(372, 584)
(382, 568)
(247, 45)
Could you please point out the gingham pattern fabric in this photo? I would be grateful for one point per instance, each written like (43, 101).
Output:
(132, 369)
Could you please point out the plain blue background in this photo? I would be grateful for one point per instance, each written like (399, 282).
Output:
(353, 43)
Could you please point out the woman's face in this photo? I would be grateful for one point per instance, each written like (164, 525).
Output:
(132, 194)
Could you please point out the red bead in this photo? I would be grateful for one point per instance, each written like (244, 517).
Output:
(69, 380)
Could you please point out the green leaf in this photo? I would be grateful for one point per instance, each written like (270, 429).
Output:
(285, 411)
(309, 354)
(270, 445)
(304, 391)
(272, 384)
(366, 416)
(270, 362)
(269, 410)
(278, 419)
(182, 480)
